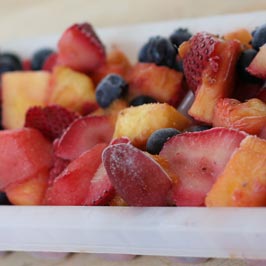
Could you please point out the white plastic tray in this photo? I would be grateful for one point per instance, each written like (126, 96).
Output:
(193, 232)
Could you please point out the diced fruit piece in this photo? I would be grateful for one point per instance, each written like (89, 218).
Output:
(39, 58)
(138, 123)
(101, 189)
(157, 139)
(159, 82)
(20, 91)
(198, 158)
(257, 66)
(249, 116)
(209, 68)
(116, 63)
(50, 62)
(51, 120)
(9, 62)
(30, 191)
(137, 178)
(244, 61)
(80, 48)
(259, 37)
(242, 35)
(82, 135)
(158, 50)
(73, 185)
(70, 89)
(59, 166)
(109, 89)
(243, 182)
(179, 36)
(26, 152)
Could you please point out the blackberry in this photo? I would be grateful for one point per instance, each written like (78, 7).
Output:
(179, 36)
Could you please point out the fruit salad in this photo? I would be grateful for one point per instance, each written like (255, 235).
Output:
(183, 125)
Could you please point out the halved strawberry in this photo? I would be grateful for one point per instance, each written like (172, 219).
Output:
(58, 166)
(82, 135)
(209, 68)
(81, 182)
(81, 49)
(198, 158)
(51, 120)
(136, 176)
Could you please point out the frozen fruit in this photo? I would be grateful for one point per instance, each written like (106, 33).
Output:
(82, 135)
(39, 58)
(137, 178)
(157, 139)
(116, 63)
(9, 62)
(51, 120)
(110, 88)
(257, 66)
(74, 185)
(139, 122)
(197, 159)
(242, 183)
(70, 88)
(158, 50)
(20, 91)
(249, 116)
(23, 153)
(81, 49)
(179, 36)
(30, 191)
(259, 37)
(209, 68)
(159, 82)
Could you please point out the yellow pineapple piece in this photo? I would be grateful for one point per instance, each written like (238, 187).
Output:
(139, 122)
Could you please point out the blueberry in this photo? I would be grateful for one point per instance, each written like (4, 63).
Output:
(179, 36)
(158, 138)
(259, 37)
(9, 62)
(243, 62)
(160, 51)
(196, 128)
(39, 58)
(179, 65)
(109, 89)
(142, 99)
(3, 199)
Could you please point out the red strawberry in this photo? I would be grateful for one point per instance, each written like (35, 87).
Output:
(201, 52)
(81, 49)
(198, 158)
(58, 167)
(50, 62)
(50, 120)
(81, 182)
(82, 135)
(26, 64)
(137, 177)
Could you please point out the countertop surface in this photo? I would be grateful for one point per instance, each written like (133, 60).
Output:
(31, 18)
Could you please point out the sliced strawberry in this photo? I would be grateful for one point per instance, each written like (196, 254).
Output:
(50, 62)
(101, 190)
(81, 49)
(82, 135)
(137, 178)
(50, 120)
(26, 64)
(72, 186)
(89, 107)
(198, 158)
(58, 167)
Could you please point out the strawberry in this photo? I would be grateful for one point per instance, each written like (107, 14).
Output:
(200, 54)
(137, 177)
(50, 120)
(58, 167)
(82, 135)
(26, 64)
(198, 158)
(80, 48)
(50, 62)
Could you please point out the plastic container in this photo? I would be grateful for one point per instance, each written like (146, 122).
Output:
(164, 231)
